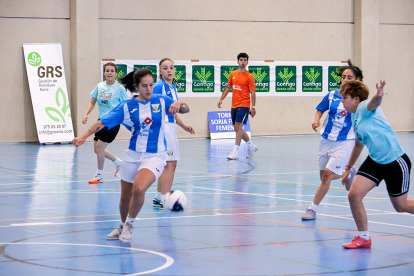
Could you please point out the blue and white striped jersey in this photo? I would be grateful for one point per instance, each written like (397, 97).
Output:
(144, 119)
(162, 88)
(337, 125)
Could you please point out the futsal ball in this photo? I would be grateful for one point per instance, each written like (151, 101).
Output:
(175, 201)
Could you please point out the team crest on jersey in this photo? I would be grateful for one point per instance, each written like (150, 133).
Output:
(155, 108)
(170, 153)
(146, 123)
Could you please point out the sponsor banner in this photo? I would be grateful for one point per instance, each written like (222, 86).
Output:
(274, 78)
(221, 125)
(47, 83)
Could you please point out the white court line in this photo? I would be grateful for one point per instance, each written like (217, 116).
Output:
(168, 260)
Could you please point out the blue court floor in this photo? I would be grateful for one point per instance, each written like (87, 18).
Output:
(243, 217)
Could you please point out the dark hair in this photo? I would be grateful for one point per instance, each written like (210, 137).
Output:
(243, 55)
(357, 72)
(110, 64)
(354, 89)
(133, 79)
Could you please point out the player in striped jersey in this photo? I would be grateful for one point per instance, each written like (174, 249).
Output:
(386, 159)
(337, 139)
(145, 158)
(166, 87)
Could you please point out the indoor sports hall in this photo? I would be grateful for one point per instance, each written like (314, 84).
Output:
(243, 216)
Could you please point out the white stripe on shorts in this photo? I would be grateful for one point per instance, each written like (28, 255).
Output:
(406, 175)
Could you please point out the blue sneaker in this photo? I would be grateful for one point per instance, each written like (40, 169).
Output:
(157, 203)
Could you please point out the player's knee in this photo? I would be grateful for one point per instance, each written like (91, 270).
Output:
(400, 208)
(354, 197)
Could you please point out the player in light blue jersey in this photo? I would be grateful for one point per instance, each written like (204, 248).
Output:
(337, 138)
(144, 161)
(108, 94)
(386, 159)
(166, 87)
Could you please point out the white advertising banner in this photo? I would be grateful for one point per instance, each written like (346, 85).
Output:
(47, 83)
(206, 78)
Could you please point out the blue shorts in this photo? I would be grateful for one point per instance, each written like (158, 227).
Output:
(240, 115)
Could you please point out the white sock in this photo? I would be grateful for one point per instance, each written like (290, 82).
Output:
(364, 235)
(313, 206)
(162, 197)
(122, 223)
(130, 220)
(249, 143)
(117, 162)
(158, 195)
(99, 173)
(236, 147)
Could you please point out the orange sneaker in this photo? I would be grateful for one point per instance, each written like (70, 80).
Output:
(357, 243)
(96, 180)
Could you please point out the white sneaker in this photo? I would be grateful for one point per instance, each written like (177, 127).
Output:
(126, 233)
(252, 150)
(234, 155)
(115, 234)
(352, 173)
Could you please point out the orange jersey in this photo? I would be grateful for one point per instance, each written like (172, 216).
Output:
(241, 83)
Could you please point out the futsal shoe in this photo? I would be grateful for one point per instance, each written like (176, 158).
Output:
(117, 168)
(358, 243)
(234, 155)
(96, 180)
(126, 233)
(309, 215)
(251, 151)
(157, 203)
(115, 234)
(352, 173)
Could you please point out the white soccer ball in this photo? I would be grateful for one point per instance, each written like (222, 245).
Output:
(175, 201)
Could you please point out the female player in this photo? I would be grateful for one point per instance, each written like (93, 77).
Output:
(166, 87)
(108, 94)
(145, 158)
(386, 159)
(337, 138)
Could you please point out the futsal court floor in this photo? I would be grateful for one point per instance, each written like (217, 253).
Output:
(243, 217)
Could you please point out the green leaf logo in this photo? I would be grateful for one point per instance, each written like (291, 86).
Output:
(286, 75)
(203, 76)
(55, 114)
(178, 75)
(335, 76)
(312, 76)
(34, 59)
(226, 74)
(259, 75)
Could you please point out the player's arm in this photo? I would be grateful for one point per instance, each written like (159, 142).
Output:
(183, 125)
(223, 96)
(178, 107)
(317, 122)
(375, 102)
(253, 99)
(91, 105)
(356, 152)
(93, 129)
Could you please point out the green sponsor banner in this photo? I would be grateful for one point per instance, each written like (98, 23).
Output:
(180, 78)
(261, 75)
(203, 78)
(333, 78)
(225, 71)
(121, 71)
(312, 78)
(286, 78)
(153, 69)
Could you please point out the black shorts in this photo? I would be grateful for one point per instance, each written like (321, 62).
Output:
(107, 135)
(395, 174)
(240, 115)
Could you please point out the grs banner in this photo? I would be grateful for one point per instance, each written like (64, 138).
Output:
(201, 78)
(47, 83)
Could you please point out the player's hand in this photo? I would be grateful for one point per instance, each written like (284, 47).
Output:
(345, 179)
(175, 107)
(219, 103)
(78, 141)
(85, 119)
(315, 125)
(253, 112)
(380, 88)
(189, 129)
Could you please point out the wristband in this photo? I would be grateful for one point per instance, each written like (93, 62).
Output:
(253, 106)
(347, 168)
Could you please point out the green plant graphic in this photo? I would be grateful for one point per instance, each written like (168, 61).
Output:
(312, 76)
(335, 76)
(226, 74)
(285, 76)
(34, 59)
(63, 109)
(178, 75)
(203, 76)
(119, 74)
(259, 75)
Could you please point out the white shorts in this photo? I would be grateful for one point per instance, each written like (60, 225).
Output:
(135, 161)
(333, 155)
(173, 150)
